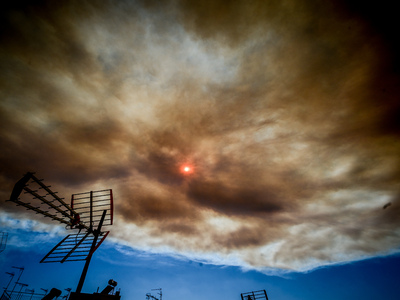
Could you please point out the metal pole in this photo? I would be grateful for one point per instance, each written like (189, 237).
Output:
(32, 291)
(91, 210)
(85, 268)
(20, 290)
(12, 277)
(21, 270)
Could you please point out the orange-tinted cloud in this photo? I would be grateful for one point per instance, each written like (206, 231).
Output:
(287, 112)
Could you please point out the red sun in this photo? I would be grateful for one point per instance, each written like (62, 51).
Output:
(186, 169)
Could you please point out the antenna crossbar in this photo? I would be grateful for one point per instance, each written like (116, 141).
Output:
(74, 247)
(39, 211)
(53, 194)
(49, 203)
(59, 210)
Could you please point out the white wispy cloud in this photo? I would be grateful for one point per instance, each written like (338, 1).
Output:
(283, 110)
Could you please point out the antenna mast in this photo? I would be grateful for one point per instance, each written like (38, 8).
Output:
(87, 211)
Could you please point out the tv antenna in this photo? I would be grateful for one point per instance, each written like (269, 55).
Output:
(255, 295)
(159, 292)
(88, 213)
(149, 296)
(21, 270)
(12, 274)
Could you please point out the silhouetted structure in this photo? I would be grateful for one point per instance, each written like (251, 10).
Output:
(106, 293)
(89, 211)
(255, 295)
(22, 295)
(19, 290)
(54, 293)
(149, 296)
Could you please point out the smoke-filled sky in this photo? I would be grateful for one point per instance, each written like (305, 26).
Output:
(287, 113)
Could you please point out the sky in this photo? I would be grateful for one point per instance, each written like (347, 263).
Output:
(287, 113)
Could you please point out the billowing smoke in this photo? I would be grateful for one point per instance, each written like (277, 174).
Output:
(287, 112)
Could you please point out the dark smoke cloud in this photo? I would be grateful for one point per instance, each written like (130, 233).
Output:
(287, 112)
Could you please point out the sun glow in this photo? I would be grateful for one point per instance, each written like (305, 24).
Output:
(186, 169)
